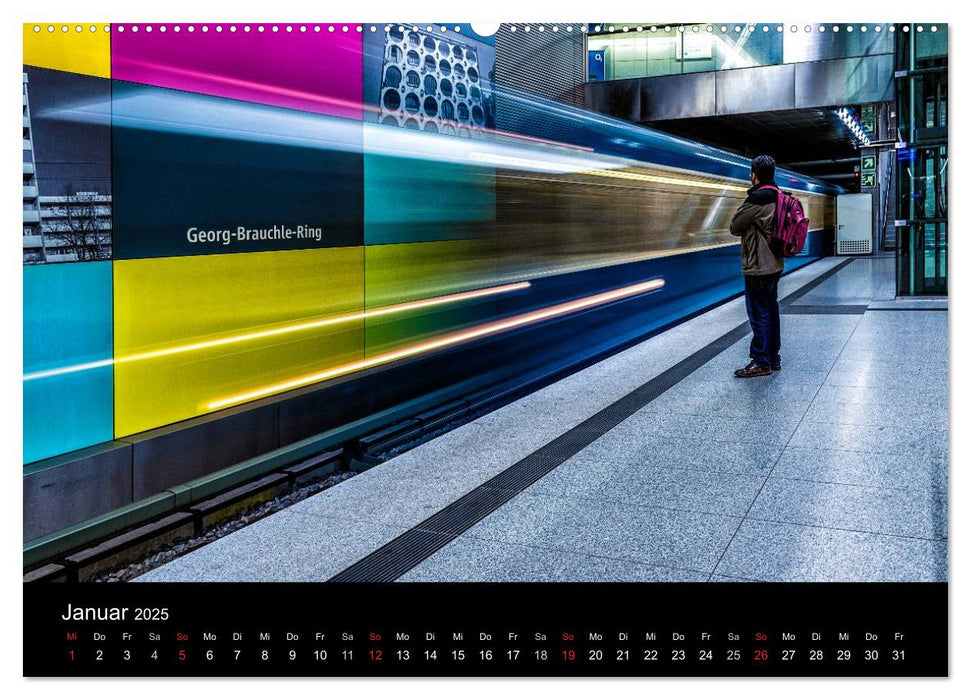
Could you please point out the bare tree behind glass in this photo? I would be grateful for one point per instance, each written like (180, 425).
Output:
(79, 222)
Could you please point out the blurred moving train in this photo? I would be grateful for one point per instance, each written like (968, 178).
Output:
(449, 221)
(454, 256)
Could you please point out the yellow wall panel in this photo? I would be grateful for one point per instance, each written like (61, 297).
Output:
(73, 51)
(192, 330)
(401, 272)
(407, 272)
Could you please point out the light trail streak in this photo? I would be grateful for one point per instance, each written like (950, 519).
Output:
(445, 341)
(292, 328)
(660, 179)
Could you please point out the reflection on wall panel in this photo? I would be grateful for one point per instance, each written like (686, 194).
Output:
(195, 174)
(191, 330)
(311, 71)
(820, 46)
(820, 210)
(408, 200)
(86, 51)
(750, 91)
(414, 271)
(635, 217)
(67, 167)
(544, 221)
(845, 81)
(67, 358)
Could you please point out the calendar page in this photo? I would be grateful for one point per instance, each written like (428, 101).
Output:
(548, 348)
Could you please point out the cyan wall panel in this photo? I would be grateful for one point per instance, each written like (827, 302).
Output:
(67, 358)
(411, 200)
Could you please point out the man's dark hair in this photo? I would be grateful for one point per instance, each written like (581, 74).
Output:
(764, 169)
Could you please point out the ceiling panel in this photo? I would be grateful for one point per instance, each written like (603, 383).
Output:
(811, 141)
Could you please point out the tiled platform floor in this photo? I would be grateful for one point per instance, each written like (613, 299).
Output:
(834, 469)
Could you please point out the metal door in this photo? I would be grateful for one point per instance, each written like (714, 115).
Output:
(854, 224)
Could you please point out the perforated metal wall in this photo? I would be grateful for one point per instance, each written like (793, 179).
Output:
(549, 64)
(546, 63)
(432, 83)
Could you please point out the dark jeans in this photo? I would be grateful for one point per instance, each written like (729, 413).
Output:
(762, 304)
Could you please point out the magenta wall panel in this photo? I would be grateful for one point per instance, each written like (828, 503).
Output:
(315, 71)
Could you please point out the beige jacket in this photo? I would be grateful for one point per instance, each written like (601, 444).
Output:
(755, 219)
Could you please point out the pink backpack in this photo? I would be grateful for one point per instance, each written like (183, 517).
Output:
(792, 225)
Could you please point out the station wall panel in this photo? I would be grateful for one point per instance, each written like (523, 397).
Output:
(87, 51)
(70, 136)
(67, 358)
(184, 164)
(408, 200)
(313, 71)
(190, 331)
(406, 272)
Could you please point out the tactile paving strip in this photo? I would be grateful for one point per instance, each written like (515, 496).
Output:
(409, 549)
(826, 309)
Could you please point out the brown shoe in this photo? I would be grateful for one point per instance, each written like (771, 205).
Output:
(752, 369)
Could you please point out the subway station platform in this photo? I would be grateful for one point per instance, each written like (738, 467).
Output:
(657, 464)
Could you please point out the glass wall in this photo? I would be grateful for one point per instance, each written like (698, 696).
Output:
(922, 163)
(651, 50)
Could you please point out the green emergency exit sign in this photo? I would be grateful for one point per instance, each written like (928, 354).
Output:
(868, 118)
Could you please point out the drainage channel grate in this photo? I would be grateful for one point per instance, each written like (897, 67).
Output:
(409, 549)
(825, 309)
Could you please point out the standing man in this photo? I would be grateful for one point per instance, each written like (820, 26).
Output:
(761, 267)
